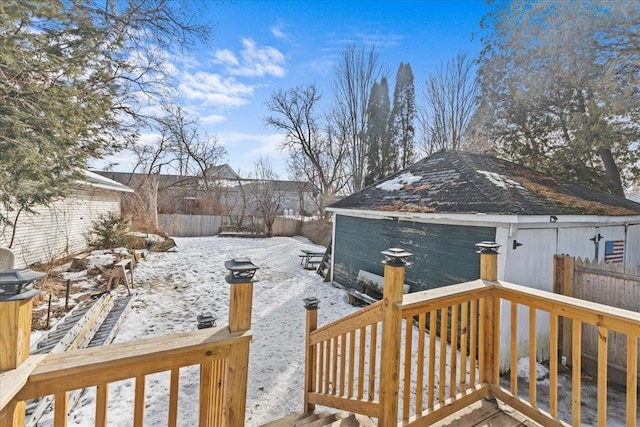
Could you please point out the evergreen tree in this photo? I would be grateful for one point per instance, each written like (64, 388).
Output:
(401, 122)
(559, 85)
(378, 112)
(73, 76)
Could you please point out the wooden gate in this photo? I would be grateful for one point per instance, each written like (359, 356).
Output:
(605, 283)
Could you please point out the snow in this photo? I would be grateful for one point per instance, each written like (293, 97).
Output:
(173, 288)
(399, 182)
(501, 180)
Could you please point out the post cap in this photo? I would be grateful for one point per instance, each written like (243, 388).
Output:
(17, 284)
(241, 270)
(487, 248)
(311, 303)
(206, 320)
(396, 257)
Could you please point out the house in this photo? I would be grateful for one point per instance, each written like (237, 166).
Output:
(224, 192)
(59, 230)
(441, 206)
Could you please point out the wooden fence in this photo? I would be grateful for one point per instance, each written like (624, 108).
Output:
(611, 284)
(178, 225)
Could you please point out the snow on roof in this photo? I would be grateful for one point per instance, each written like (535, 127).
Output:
(99, 181)
(399, 182)
(500, 180)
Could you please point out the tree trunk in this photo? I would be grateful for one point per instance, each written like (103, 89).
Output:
(613, 174)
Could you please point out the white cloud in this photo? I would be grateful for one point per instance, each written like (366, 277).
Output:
(226, 57)
(213, 119)
(254, 61)
(278, 33)
(214, 90)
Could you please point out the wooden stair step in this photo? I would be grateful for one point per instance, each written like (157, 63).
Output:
(321, 419)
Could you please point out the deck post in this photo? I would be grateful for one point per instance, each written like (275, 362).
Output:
(15, 334)
(491, 315)
(237, 364)
(311, 305)
(394, 271)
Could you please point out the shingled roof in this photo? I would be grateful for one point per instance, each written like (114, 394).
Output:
(458, 182)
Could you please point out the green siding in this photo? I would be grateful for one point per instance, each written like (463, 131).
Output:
(442, 254)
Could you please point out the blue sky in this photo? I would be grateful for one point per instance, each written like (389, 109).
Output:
(261, 46)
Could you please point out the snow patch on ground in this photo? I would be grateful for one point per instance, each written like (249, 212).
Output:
(399, 182)
(542, 373)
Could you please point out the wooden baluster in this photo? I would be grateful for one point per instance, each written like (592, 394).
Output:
(174, 387)
(102, 391)
(394, 269)
(464, 334)
(422, 326)
(328, 372)
(406, 401)
(602, 376)
(334, 367)
(513, 352)
(352, 363)
(311, 306)
(532, 356)
(343, 363)
(442, 376)
(60, 409)
(320, 383)
(361, 354)
(576, 373)
(473, 343)
(433, 316)
(372, 361)
(553, 364)
(632, 379)
(454, 351)
(138, 405)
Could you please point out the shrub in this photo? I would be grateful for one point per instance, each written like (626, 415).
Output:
(109, 231)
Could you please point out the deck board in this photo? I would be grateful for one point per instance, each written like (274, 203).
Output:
(484, 413)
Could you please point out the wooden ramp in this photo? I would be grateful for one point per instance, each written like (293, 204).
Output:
(486, 413)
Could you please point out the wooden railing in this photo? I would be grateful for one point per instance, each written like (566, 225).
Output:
(443, 352)
(334, 350)
(220, 354)
(57, 374)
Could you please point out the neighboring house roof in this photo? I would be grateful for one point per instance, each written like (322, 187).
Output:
(135, 179)
(459, 182)
(283, 186)
(222, 172)
(95, 180)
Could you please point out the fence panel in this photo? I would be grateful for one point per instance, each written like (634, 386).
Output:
(178, 225)
(614, 285)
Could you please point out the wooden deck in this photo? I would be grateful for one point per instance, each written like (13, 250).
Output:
(486, 413)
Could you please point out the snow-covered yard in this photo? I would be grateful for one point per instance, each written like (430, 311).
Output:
(174, 287)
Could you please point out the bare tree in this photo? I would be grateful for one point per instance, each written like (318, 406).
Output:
(195, 152)
(268, 200)
(314, 153)
(355, 75)
(450, 100)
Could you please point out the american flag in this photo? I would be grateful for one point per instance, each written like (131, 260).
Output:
(614, 251)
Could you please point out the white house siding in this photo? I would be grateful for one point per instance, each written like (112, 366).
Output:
(59, 230)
